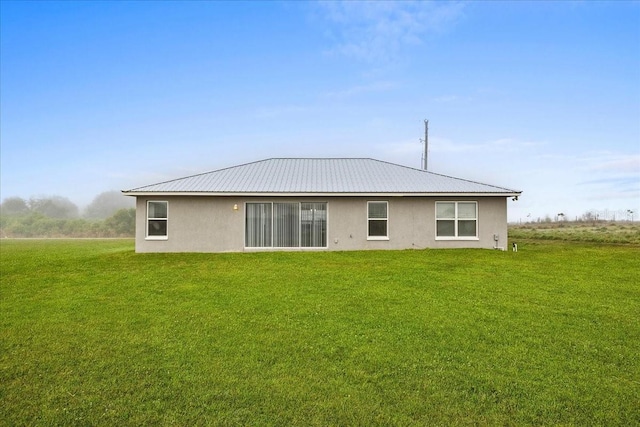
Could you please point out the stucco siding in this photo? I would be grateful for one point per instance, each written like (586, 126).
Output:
(213, 224)
(195, 224)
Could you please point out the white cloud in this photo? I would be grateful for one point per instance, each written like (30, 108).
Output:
(622, 163)
(609, 175)
(376, 31)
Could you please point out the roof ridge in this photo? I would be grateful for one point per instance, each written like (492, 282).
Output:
(319, 158)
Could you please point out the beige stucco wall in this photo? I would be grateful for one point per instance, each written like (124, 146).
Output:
(211, 224)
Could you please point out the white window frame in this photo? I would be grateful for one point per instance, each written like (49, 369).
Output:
(386, 202)
(299, 247)
(166, 219)
(455, 220)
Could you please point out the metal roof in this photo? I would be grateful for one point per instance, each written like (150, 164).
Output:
(309, 176)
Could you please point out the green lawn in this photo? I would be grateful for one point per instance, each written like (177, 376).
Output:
(94, 334)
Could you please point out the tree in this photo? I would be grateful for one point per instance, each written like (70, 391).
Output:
(122, 223)
(54, 207)
(13, 206)
(106, 204)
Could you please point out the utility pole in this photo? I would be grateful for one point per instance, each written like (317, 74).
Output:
(425, 156)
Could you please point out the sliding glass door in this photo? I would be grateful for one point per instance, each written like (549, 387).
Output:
(286, 225)
(258, 225)
(314, 225)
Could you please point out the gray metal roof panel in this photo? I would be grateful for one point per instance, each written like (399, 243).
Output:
(318, 175)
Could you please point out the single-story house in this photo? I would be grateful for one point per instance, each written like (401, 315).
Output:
(319, 204)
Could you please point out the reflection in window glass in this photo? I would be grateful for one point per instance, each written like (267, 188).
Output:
(157, 219)
(456, 219)
(378, 219)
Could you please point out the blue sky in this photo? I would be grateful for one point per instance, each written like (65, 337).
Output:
(542, 97)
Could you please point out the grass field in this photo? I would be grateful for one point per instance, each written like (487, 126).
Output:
(94, 334)
(588, 231)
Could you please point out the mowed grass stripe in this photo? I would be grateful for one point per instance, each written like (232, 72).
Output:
(93, 333)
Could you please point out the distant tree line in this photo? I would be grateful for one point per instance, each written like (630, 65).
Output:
(592, 216)
(110, 214)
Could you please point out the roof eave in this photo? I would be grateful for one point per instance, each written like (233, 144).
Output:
(321, 194)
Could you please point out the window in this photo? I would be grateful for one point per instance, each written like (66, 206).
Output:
(457, 220)
(157, 218)
(377, 221)
(286, 225)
